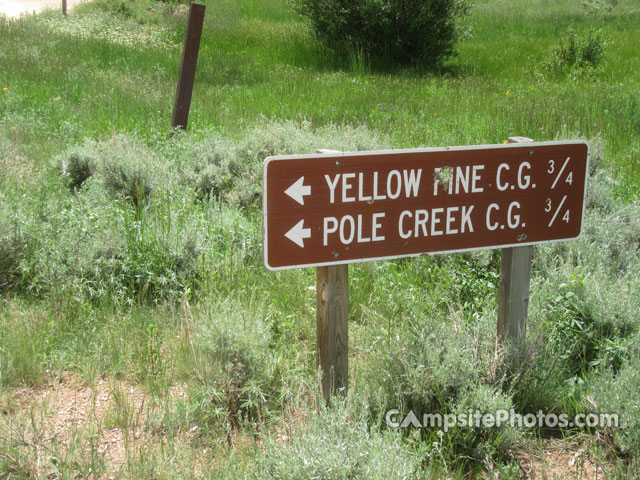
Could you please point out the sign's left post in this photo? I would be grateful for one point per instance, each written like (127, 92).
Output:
(332, 317)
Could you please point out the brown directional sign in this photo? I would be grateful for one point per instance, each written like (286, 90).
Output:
(341, 208)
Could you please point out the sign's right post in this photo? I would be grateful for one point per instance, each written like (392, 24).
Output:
(515, 276)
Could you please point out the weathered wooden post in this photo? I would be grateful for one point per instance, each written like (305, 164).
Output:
(64, 7)
(332, 320)
(187, 75)
(515, 276)
(332, 288)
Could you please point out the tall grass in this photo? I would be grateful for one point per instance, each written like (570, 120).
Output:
(258, 60)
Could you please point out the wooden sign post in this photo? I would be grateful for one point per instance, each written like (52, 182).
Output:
(184, 90)
(513, 306)
(331, 209)
(332, 317)
(332, 322)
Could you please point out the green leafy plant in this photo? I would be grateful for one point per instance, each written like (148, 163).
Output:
(129, 179)
(387, 32)
(337, 444)
(599, 6)
(577, 52)
(12, 252)
(620, 393)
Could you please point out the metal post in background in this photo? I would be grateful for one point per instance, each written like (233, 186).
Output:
(187, 75)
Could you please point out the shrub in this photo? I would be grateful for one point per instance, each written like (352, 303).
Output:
(478, 441)
(576, 53)
(144, 265)
(12, 252)
(247, 377)
(599, 6)
(124, 168)
(579, 337)
(231, 170)
(128, 179)
(94, 246)
(620, 393)
(387, 32)
(431, 366)
(337, 446)
(78, 166)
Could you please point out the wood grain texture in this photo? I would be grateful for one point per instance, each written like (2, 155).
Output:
(515, 274)
(332, 289)
(515, 277)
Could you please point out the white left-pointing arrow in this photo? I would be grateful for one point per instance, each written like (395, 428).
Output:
(298, 233)
(298, 191)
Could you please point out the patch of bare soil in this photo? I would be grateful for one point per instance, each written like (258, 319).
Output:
(563, 459)
(112, 417)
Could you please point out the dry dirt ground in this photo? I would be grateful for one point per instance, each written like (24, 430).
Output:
(15, 8)
(113, 419)
(68, 419)
(562, 459)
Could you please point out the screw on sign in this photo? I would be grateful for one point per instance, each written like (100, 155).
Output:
(341, 208)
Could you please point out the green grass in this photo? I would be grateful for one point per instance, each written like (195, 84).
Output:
(148, 268)
(260, 61)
